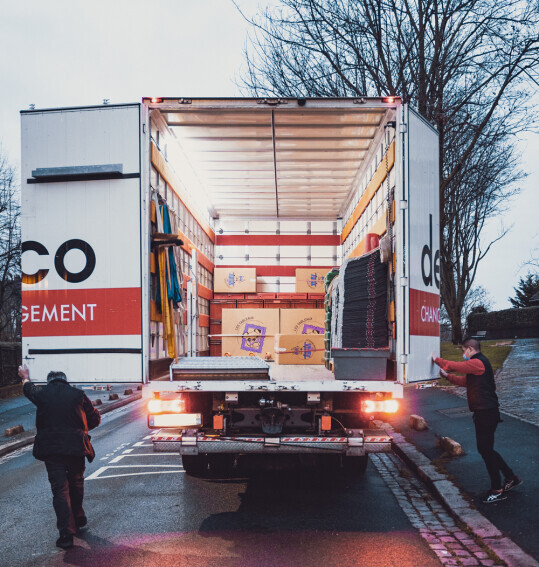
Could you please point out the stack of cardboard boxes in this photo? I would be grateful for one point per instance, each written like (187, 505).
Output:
(286, 328)
(288, 336)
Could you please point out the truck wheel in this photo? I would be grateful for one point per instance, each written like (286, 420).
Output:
(195, 465)
(221, 465)
(355, 466)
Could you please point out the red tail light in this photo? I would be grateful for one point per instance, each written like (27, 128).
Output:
(383, 406)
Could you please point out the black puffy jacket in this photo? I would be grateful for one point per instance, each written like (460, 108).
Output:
(63, 418)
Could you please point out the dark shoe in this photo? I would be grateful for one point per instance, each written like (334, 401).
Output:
(513, 483)
(493, 497)
(65, 541)
(81, 522)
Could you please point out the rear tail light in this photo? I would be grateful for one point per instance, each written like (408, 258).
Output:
(383, 406)
(389, 99)
(155, 99)
(326, 423)
(166, 406)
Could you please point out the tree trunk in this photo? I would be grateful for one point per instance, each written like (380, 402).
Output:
(456, 329)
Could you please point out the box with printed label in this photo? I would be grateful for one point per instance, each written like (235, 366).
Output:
(302, 321)
(300, 349)
(250, 331)
(234, 280)
(310, 281)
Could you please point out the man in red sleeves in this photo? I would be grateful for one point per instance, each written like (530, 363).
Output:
(483, 402)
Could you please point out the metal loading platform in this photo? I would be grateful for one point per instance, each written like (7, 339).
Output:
(220, 368)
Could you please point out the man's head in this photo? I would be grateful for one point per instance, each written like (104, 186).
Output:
(55, 375)
(470, 347)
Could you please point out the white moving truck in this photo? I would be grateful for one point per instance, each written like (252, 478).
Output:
(271, 184)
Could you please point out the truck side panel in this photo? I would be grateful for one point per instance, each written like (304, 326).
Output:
(423, 283)
(81, 261)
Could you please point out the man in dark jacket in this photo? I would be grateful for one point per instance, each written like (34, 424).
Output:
(64, 416)
(483, 402)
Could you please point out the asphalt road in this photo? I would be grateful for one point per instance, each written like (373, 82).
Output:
(143, 510)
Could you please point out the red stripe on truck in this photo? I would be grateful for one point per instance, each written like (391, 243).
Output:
(277, 240)
(71, 312)
(424, 313)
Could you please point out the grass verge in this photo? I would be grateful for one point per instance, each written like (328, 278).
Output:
(495, 351)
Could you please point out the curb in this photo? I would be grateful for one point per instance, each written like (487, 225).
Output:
(28, 438)
(458, 507)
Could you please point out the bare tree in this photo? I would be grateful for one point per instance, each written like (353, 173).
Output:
(467, 65)
(10, 254)
(477, 300)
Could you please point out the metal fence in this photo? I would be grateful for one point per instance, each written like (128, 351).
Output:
(10, 360)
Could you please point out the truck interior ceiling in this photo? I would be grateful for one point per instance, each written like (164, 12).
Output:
(280, 161)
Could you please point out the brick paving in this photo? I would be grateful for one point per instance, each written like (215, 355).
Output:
(436, 526)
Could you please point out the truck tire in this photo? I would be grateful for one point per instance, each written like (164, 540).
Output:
(195, 465)
(355, 466)
(221, 465)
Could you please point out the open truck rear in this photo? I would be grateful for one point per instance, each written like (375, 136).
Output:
(142, 222)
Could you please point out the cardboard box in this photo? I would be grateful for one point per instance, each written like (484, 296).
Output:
(234, 280)
(254, 329)
(302, 321)
(310, 281)
(300, 349)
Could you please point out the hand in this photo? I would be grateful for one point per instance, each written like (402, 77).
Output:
(24, 373)
(443, 373)
(434, 357)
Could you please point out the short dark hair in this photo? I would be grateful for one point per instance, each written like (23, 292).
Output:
(474, 343)
(56, 375)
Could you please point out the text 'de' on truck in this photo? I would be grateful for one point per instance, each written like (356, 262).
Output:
(268, 269)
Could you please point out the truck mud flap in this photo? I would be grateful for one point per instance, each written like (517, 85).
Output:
(194, 443)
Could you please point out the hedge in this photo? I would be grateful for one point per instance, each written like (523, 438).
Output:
(507, 324)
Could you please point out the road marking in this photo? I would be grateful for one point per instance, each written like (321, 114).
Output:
(141, 444)
(127, 451)
(137, 474)
(18, 453)
(97, 473)
(120, 457)
(147, 437)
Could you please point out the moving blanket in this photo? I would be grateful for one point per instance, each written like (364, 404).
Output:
(359, 304)
(173, 286)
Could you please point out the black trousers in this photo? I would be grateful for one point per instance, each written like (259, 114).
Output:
(486, 422)
(66, 477)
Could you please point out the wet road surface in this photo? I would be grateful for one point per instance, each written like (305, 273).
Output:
(143, 510)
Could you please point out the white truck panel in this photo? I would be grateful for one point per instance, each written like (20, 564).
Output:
(82, 257)
(424, 249)
(61, 138)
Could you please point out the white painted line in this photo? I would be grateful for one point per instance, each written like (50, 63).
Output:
(142, 466)
(147, 437)
(137, 474)
(127, 451)
(120, 457)
(96, 473)
(140, 444)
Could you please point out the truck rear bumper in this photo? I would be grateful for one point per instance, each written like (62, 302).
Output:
(359, 442)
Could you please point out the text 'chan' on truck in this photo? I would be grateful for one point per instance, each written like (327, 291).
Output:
(268, 269)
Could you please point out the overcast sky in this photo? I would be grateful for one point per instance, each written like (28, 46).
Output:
(71, 53)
